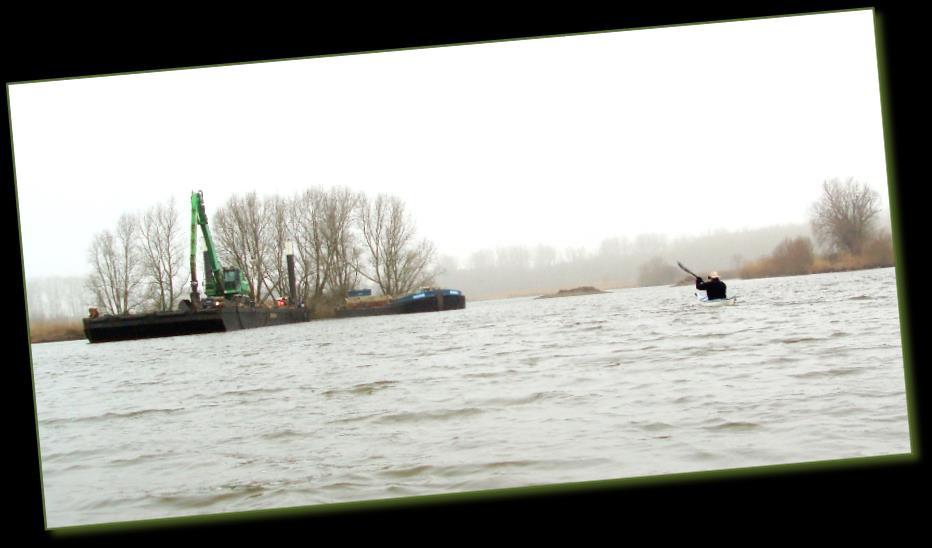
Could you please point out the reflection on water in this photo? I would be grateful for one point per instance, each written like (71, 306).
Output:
(502, 394)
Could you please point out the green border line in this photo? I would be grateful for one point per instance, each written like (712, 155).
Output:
(896, 224)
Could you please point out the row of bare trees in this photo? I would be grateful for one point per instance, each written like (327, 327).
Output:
(139, 264)
(340, 239)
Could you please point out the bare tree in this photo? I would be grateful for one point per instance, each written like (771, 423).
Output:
(240, 232)
(115, 276)
(545, 256)
(278, 238)
(575, 254)
(446, 263)
(482, 260)
(613, 247)
(341, 249)
(306, 220)
(57, 298)
(397, 263)
(513, 257)
(162, 255)
(842, 219)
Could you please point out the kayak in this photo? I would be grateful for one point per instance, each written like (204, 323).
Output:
(704, 301)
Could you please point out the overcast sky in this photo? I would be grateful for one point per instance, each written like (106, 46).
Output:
(562, 141)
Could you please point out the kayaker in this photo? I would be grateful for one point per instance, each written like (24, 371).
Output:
(714, 288)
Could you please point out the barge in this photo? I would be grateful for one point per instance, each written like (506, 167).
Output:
(426, 299)
(188, 322)
(227, 305)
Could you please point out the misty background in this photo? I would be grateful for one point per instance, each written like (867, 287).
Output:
(532, 165)
(512, 271)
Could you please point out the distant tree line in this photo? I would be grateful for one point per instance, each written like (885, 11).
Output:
(845, 221)
(343, 239)
(340, 239)
(55, 298)
(646, 259)
(139, 265)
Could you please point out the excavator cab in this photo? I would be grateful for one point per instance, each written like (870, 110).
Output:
(234, 283)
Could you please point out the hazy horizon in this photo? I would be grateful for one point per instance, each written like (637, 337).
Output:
(562, 141)
(504, 274)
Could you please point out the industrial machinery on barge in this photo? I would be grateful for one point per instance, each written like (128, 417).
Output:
(226, 305)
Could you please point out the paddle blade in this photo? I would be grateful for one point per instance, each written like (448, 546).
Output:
(686, 269)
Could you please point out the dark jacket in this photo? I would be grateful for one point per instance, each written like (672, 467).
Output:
(714, 288)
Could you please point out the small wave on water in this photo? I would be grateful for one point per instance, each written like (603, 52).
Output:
(440, 414)
(141, 457)
(479, 468)
(110, 415)
(482, 374)
(250, 391)
(50, 456)
(361, 389)
(285, 433)
(530, 398)
(733, 425)
(834, 372)
(216, 495)
(796, 340)
(514, 393)
(654, 426)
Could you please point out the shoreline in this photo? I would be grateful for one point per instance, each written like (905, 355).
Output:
(45, 331)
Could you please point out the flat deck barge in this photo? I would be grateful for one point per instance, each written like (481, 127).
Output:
(168, 324)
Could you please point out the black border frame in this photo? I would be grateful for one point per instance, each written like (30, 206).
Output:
(847, 498)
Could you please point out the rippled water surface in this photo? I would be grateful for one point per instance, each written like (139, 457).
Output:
(503, 393)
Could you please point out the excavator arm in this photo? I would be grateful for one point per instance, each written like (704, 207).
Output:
(199, 218)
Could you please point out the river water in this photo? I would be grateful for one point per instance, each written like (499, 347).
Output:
(504, 393)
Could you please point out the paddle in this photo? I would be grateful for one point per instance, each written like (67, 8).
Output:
(688, 270)
(733, 299)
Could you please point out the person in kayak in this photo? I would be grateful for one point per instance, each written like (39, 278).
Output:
(714, 288)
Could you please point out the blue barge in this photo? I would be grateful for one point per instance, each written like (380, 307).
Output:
(427, 299)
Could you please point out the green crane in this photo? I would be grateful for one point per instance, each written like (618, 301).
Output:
(228, 283)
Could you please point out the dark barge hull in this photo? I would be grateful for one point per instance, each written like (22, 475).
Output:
(432, 301)
(170, 324)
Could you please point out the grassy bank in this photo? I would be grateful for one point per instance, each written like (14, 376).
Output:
(41, 331)
(769, 268)
(794, 257)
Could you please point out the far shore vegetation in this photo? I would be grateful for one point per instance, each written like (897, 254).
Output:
(846, 232)
(55, 330)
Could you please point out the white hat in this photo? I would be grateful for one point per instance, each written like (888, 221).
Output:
(713, 274)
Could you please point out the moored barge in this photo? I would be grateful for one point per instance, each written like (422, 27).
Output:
(226, 306)
(426, 299)
(191, 322)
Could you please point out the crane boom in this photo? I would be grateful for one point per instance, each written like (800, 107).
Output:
(221, 282)
(199, 217)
